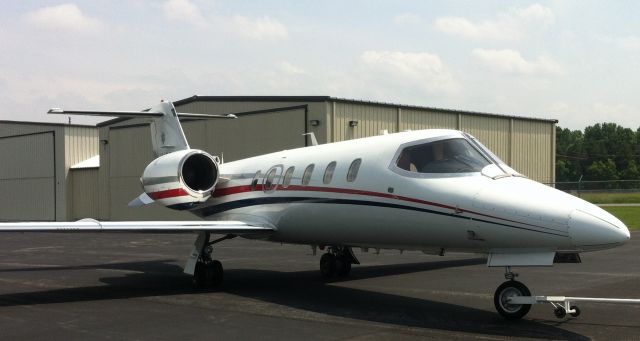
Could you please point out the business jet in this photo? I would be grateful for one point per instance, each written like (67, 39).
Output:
(435, 191)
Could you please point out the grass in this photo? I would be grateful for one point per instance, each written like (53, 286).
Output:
(630, 215)
(612, 198)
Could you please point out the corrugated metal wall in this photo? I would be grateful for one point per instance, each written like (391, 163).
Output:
(371, 120)
(65, 145)
(534, 149)
(248, 135)
(414, 119)
(80, 143)
(84, 193)
(315, 111)
(27, 177)
(493, 132)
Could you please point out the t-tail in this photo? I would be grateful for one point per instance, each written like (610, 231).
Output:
(179, 177)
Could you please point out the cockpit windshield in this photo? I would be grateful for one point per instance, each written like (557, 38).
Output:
(455, 155)
(494, 158)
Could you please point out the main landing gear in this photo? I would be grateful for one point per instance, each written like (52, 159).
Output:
(337, 262)
(208, 272)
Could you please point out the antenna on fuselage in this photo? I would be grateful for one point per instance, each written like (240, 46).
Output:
(312, 136)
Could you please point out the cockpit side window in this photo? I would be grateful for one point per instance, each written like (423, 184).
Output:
(445, 156)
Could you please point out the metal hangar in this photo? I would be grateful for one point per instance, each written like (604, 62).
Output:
(46, 158)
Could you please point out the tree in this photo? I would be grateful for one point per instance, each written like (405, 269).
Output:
(602, 170)
(569, 152)
(610, 141)
(606, 151)
(631, 172)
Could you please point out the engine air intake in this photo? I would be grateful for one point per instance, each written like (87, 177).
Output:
(199, 172)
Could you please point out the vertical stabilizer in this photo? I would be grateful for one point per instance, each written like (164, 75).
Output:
(167, 135)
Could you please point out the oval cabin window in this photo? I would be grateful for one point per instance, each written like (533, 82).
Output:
(254, 182)
(353, 170)
(288, 175)
(328, 173)
(269, 181)
(306, 177)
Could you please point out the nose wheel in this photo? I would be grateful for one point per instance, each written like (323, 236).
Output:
(504, 293)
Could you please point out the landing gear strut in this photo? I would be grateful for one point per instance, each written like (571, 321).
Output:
(507, 290)
(337, 262)
(208, 272)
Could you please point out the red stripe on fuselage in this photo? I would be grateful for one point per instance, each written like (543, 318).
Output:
(220, 192)
(169, 193)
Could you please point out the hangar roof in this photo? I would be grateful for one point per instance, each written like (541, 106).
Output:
(196, 98)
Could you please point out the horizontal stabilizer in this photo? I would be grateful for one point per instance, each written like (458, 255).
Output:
(90, 225)
(205, 116)
(106, 113)
(134, 114)
(141, 200)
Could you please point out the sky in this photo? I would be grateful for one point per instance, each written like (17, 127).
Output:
(574, 61)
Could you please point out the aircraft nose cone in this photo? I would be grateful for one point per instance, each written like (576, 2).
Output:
(595, 228)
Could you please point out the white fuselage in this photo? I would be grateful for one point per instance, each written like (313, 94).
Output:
(386, 206)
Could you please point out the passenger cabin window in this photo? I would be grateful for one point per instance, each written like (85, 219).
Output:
(269, 182)
(306, 177)
(328, 173)
(288, 175)
(353, 170)
(254, 182)
(445, 156)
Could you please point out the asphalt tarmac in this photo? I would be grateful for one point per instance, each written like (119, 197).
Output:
(127, 286)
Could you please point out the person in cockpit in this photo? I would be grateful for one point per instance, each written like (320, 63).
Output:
(447, 156)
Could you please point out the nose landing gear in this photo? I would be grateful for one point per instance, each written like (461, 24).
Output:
(506, 292)
(513, 300)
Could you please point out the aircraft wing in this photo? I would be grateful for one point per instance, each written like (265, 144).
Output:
(90, 225)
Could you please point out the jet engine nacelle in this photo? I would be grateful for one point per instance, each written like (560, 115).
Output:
(182, 179)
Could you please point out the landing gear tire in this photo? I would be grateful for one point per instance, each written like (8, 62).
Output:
(328, 265)
(208, 275)
(560, 312)
(576, 311)
(343, 267)
(507, 290)
(216, 273)
(200, 276)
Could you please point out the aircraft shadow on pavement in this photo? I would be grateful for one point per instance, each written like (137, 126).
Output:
(304, 290)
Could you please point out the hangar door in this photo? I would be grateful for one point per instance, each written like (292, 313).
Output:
(27, 177)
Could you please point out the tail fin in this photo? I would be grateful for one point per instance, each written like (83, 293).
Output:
(167, 135)
(166, 132)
